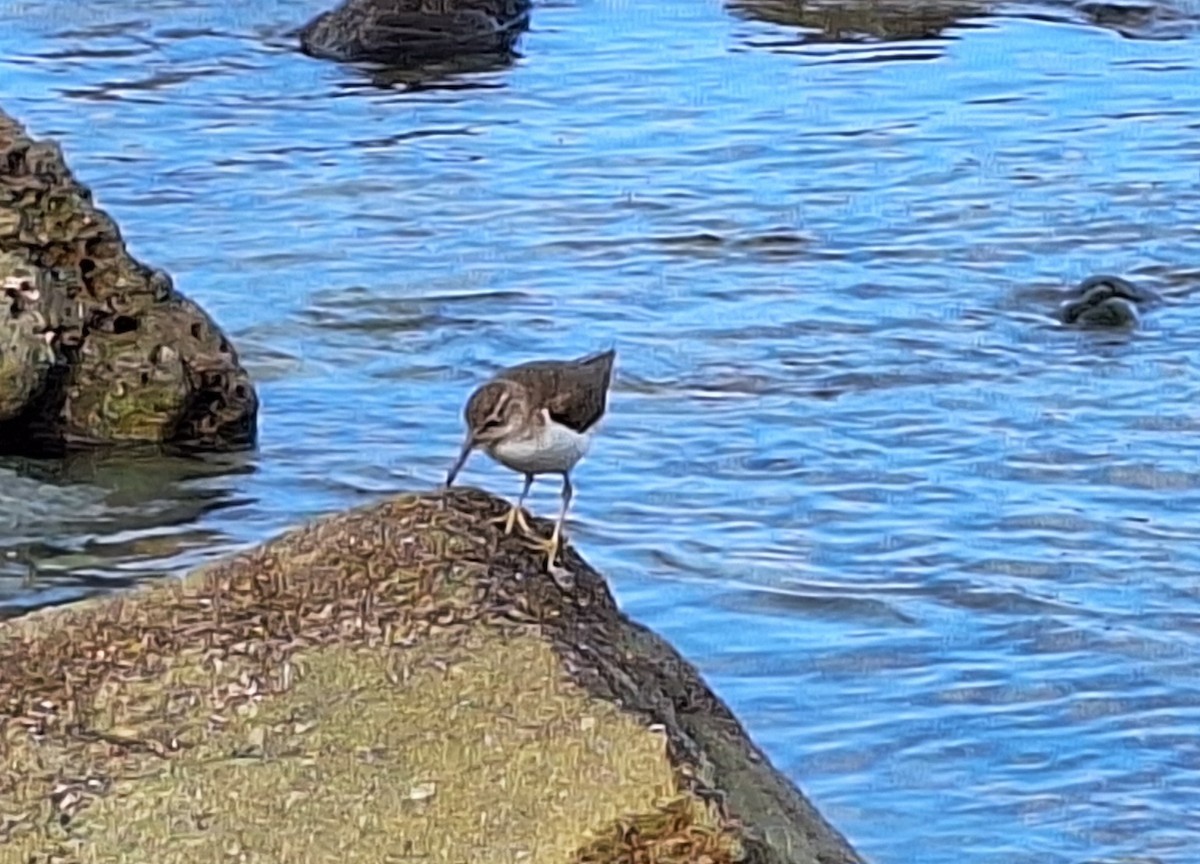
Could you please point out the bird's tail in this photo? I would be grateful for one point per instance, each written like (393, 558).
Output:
(602, 362)
(600, 358)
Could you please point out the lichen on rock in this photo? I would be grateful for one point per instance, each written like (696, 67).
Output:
(96, 347)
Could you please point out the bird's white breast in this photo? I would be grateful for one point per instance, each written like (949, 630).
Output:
(552, 448)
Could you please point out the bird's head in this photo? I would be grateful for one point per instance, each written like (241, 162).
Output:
(494, 411)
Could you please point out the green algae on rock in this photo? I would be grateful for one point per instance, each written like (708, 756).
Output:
(399, 681)
(96, 347)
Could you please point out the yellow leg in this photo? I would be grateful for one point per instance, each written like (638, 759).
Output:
(520, 520)
(562, 576)
(551, 547)
(516, 516)
(554, 545)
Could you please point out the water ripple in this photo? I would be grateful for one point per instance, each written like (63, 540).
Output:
(936, 550)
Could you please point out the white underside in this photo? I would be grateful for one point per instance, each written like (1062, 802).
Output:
(554, 450)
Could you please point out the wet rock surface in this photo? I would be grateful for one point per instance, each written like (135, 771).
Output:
(414, 32)
(96, 347)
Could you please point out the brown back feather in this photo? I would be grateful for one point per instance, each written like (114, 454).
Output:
(575, 392)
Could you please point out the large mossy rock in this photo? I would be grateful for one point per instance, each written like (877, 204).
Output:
(399, 682)
(96, 347)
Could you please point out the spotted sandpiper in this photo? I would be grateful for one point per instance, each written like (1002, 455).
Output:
(538, 418)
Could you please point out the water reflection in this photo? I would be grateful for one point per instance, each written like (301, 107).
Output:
(99, 520)
(469, 72)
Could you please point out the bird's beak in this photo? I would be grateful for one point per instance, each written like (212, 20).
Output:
(460, 461)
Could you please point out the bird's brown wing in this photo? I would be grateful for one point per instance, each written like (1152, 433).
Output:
(575, 392)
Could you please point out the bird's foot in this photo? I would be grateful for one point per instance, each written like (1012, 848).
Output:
(552, 547)
(513, 518)
(549, 546)
(562, 576)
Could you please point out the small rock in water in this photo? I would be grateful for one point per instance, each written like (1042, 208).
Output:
(407, 32)
(1103, 301)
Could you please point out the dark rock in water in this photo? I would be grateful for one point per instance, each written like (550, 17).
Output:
(404, 32)
(1143, 19)
(96, 347)
(1103, 301)
(860, 20)
(899, 20)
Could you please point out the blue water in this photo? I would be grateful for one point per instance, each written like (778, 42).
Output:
(939, 554)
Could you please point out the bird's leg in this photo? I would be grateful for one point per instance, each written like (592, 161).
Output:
(515, 515)
(556, 537)
(554, 544)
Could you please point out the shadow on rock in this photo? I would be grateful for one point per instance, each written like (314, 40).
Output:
(96, 347)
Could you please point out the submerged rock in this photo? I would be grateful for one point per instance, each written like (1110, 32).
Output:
(860, 20)
(96, 347)
(1103, 301)
(398, 681)
(404, 32)
(899, 20)
(1143, 19)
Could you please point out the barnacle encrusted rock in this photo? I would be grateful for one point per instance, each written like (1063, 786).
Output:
(96, 347)
(398, 682)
